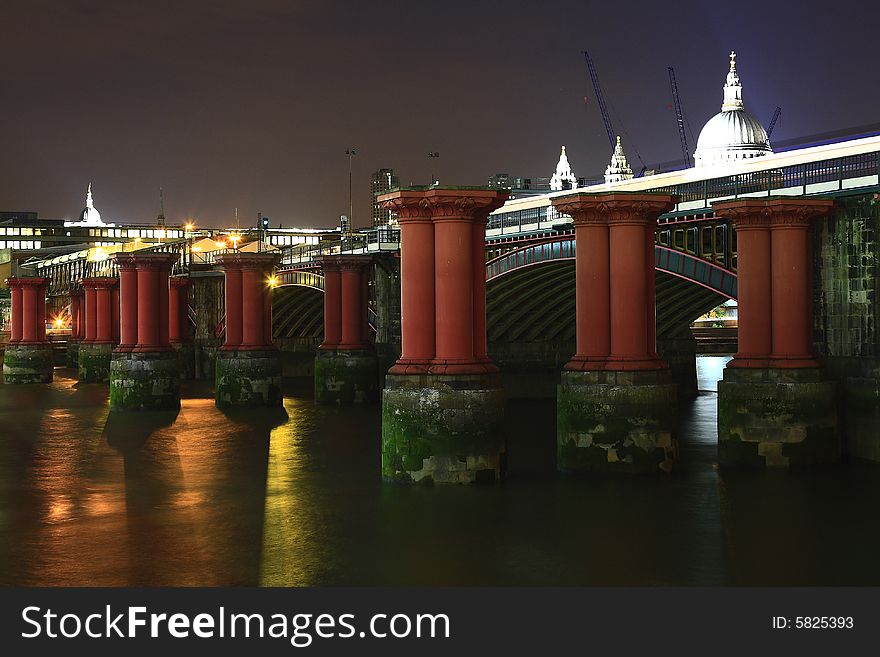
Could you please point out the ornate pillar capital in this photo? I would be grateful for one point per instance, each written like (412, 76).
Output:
(613, 208)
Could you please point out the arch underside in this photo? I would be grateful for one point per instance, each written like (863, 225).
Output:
(533, 303)
(537, 303)
(297, 312)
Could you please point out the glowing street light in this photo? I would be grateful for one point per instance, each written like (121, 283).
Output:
(272, 281)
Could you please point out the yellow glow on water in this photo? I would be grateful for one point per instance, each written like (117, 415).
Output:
(291, 523)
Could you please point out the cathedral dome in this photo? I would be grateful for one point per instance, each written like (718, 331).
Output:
(733, 134)
(90, 214)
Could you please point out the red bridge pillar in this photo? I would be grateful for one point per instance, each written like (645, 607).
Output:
(443, 401)
(77, 327)
(28, 356)
(616, 401)
(248, 365)
(93, 357)
(178, 323)
(144, 371)
(774, 407)
(346, 369)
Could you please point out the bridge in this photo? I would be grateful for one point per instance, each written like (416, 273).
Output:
(613, 274)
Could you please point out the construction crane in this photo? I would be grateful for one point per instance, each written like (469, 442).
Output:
(682, 136)
(773, 121)
(600, 97)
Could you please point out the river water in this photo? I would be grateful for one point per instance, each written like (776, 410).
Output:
(294, 498)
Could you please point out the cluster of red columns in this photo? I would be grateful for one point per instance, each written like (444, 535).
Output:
(144, 301)
(28, 310)
(248, 301)
(774, 280)
(346, 297)
(616, 322)
(177, 309)
(443, 279)
(100, 321)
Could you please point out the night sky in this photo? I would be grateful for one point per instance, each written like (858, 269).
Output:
(252, 104)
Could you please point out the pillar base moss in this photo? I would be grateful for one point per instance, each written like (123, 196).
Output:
(616, 422)
(72, 359)
(94, 362)
(144, 381)
(248, 378)
(186, 359)
(443, 429)
(28, 363)
(862, 404)
(777, 418)
(346, 377)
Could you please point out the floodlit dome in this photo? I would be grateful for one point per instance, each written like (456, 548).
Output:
(90, 214)
(732, 134)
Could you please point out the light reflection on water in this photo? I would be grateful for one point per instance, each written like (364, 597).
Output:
(293, 498)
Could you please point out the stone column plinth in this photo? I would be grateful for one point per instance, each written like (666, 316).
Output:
(248, 368)
(93, 358)
(776, 408)
(443, 402)
(178, 324)
(616, 402)
(28, 355)
(346, 368)
(144, 373)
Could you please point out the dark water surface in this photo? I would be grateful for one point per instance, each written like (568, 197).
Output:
(294, 499)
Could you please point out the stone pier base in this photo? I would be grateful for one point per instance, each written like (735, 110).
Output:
(862, 403)
(777, 418)
(346, 377)
(186, 359)
(94, 362)
(144, 381)
(72, 358)
(28, 363)
(616, 421)
(443, 429)
(248, 378)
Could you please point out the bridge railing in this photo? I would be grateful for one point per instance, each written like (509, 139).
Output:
(829, 176)
(380, 239)
(65, 272)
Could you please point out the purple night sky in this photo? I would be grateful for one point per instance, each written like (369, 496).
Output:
(251, 104)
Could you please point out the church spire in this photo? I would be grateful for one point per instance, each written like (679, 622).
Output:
(564, 177)
(733, 89)
(618, 169)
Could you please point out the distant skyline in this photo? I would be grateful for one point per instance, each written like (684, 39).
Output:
(251, 104)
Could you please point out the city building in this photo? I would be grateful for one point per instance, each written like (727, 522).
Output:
(381, 181)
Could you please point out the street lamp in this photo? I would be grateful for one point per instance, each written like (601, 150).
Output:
(431, 155)
(351, 152)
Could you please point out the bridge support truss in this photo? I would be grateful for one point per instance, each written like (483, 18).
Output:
(101, 329)
(248, 368)
(775, 406)
(346, 368)
(143, 370)
(616, 401)
(443, 402)
(28, 357)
